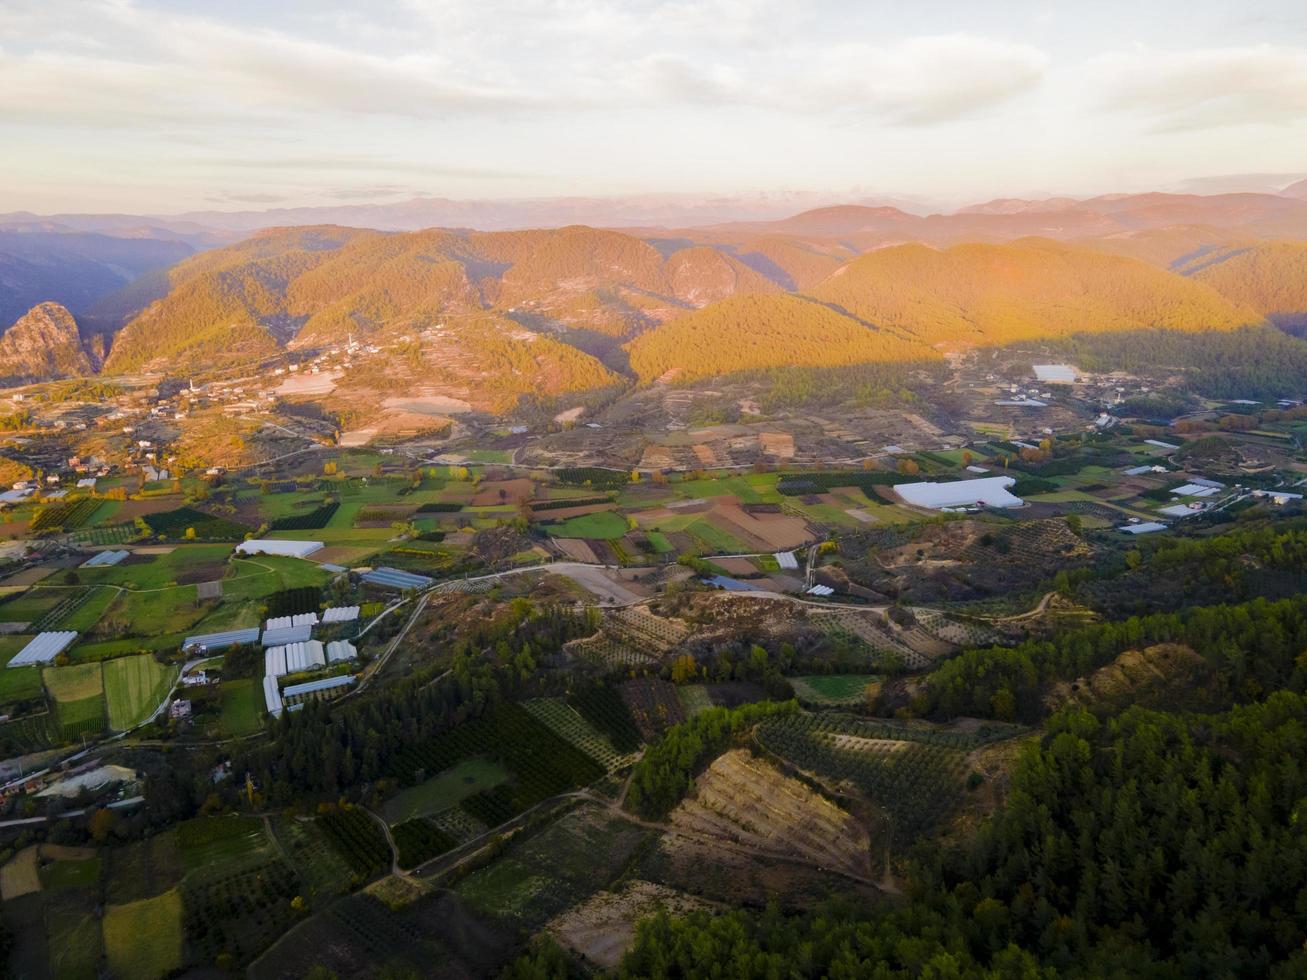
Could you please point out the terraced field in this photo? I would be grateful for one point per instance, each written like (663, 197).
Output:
(564, 721)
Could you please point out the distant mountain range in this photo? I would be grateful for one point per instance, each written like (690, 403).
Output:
(832, 285)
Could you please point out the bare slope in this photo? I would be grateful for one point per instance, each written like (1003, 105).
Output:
(44, 343)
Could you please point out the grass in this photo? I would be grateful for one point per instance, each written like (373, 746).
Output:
(605, 525)
(445, 790)
(220, 842)
(134, 687)
(71, 874)
(76, 718)
(75, 943)
(21, 683)
(144, 939)
(715, 539)
(242, 707)
(659, 542)
(75, 683)
(832, 688)
(31, 605)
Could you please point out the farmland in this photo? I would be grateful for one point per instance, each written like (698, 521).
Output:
(134, 687)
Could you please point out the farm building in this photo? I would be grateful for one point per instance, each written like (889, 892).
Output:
(217, 641)
(286, 622)
(986, 492)
(104, 559)
(43, 648)
(278, 546)
(393, 578)
(340, 614)
(323, 690)
(287, 634)
(339, 651)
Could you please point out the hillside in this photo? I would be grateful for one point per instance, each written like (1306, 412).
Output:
(1270, 278)
(301, 287)
(996, 294)
(44, 343)
(750, 332)
(226, 305)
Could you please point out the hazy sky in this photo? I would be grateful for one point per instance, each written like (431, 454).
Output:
(158, 106)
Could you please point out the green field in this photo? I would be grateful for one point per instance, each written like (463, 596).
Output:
(605, 525)
(832, 688)
(75, 683)
(445, 790)
(134, 687)
(21, 683)
(144, 939)
(242, 706)
(77, 718)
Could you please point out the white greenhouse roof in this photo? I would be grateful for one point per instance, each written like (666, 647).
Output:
(285, 622)
(216, 641)
(278, 546)
(272, 696)
(325, 684)
(339, 651)
(287, 634)
(43, 648)
(1194, 490)
(1056, 373)
(340, 614)
(786, 559)
(1144, 527)
(103, 559)
(990, 491)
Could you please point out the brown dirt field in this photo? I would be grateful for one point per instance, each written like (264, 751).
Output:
(62, 852)
(578, 549)
(13, 529)
(704, 453)
(28, 576)
(736, 566)
(749, 802)
(514, 492)
(204, 572)
(132, 509)
(779, 444)
(602, 928)
(777, 532)
(20, 876)
(343, 554)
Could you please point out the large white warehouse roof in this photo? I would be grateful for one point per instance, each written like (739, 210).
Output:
(278, 546)
(990, 491)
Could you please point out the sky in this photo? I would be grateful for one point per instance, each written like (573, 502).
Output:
(163, 106)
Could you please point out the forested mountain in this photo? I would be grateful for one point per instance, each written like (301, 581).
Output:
(997, 294)
(751, 332)
(1269, 277)
(314, 285)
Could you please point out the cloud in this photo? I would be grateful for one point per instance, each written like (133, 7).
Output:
(1206, 88)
